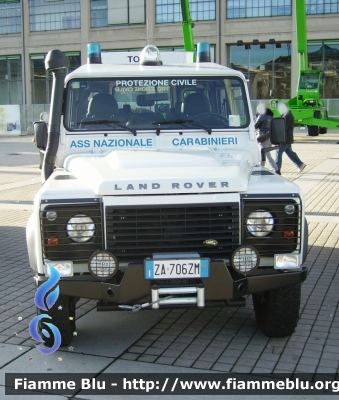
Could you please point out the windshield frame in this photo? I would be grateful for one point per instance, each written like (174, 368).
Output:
(213, 87)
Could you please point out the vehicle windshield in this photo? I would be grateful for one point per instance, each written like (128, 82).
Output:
(156, 104)
(309, 81)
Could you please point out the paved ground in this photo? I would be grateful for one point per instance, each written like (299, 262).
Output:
(220, 339)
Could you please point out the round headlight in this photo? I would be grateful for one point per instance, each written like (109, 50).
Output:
(260, 223)
(245, 259)
(51, 215)
(102, 264)
(289, 209)
(80, 228)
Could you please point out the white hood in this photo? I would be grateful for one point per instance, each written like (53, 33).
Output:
(162, 172)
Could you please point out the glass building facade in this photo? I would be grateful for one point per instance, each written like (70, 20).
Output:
(53, 15)
(322, 6)
(257, 8)
(112, 12)
(41, 79)
(324, 56)
(10, 80)
(266, 65)
(167, 11)
(10, 17)
(276, 8)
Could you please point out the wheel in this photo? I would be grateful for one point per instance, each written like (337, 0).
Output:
(63, 317)
(277, 310)
(324, 130)
(317, 129)
(313, 130)
(212, 115)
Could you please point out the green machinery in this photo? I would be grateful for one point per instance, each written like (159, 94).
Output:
(307, 106)
(187, 26)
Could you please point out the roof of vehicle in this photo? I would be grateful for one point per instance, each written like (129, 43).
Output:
(113, 70)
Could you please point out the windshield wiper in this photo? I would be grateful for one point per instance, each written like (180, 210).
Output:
(108, 123)
(173, 121)
(183, 122)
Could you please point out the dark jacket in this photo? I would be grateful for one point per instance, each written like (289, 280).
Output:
(263, 124)
(289, 126)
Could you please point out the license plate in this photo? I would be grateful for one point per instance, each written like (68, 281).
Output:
(171, 269)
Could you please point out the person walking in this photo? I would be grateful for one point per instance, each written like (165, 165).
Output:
(262, 124)
(287, 146)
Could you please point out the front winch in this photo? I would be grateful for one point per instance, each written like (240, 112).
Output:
(191, 295)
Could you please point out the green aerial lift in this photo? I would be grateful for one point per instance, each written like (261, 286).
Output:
(187, 25)
(307, 106)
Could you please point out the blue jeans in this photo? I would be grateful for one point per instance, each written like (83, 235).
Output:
(287, 148)
(267, 143)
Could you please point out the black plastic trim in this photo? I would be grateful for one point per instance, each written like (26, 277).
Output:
(93, 200)
(134, 289)
(305, 242)
(269, 196)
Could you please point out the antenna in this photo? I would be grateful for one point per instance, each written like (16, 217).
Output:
(147, 30)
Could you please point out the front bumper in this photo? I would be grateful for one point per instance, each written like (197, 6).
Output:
(223, 284)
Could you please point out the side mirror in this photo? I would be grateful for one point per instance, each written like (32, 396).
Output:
(40, 134)
(277, 130)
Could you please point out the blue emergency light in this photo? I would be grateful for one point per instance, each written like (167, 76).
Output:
(94, 53)
(203, 52)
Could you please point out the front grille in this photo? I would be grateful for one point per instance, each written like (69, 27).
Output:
(275, 242)
(67, 249)
(133, 234)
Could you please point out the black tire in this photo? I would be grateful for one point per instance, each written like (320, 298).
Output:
(277, 310)
(63, 319)
(313, 130)
(321, 130)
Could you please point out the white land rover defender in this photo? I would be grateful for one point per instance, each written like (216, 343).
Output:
(154, 194)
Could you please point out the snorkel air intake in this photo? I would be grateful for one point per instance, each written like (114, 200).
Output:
(55, 62)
